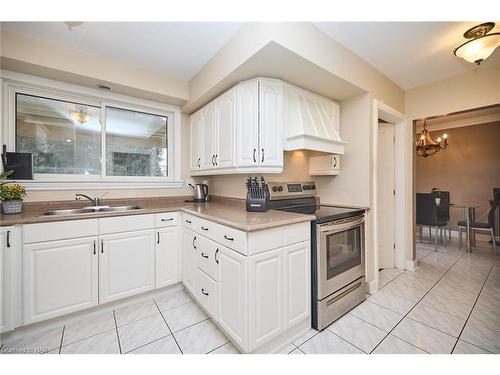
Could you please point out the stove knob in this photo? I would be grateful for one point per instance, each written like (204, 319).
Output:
(280, 188)
(275, 189)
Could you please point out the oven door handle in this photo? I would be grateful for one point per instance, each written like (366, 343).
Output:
(335, 228)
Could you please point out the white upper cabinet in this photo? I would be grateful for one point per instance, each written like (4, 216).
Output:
(208, 136)
(271, 123)
(248, 130)
(196, 138)
(225, 129)
(247, 124)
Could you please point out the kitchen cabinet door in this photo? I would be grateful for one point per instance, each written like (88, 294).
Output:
(297, 283)
(126, 264)
(208, 136)
(247, 124)
(270, 123)
(196, 141)
(189, 253)
(59, 277)
(167, 256)
(266, 302)
(226, 127)
(6, 279)
(232, 295)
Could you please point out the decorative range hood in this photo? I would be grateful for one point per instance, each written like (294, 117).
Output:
(311, 122)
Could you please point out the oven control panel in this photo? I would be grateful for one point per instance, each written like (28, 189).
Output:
(283, 190)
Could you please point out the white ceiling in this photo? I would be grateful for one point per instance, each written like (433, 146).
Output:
(411, 54)
(178, 49)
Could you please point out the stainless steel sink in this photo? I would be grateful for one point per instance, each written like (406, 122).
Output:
(119, 208)
(90, 210)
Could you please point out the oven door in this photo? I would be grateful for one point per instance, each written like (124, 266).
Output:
(340, 254)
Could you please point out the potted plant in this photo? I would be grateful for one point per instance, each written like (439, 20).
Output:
(12, 197)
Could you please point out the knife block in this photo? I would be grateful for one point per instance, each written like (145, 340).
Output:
(258, 199)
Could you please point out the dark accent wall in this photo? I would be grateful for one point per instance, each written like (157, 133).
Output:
(469, 167)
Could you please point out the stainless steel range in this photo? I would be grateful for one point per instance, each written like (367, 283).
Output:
(337, 250)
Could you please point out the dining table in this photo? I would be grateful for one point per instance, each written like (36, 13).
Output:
(470, 217)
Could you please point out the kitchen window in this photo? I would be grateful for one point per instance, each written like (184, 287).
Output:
(85, 140)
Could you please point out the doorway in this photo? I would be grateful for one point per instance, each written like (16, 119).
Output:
(386, 194)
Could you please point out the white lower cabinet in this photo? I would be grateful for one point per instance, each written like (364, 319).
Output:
(126, 264)
(9, 272)
(189, 253)
(232, 287)
(59, 277)
(167, 256)
(255, 299)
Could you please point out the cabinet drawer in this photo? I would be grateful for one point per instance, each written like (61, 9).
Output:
(206, 292)
(190, 222)
(119, 224)
(206, 228)
(59, 230)
(207, 257)
(299, 232)
(166, 219)
(233, 238)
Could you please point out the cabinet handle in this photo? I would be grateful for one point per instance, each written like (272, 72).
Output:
(157, 237)
(102, 246)
(254, 151)
(194, 239)
(203, 228)
(199, 159)
(216, 160)
(262, 161)
(188, 221)
(213, 162)
(169, 219)
(94, 247)
(216, 257)
(204, 256)
(8, 238)
(228, 238)
(203, 292)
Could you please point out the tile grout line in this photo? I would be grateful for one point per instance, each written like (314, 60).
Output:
(404, 316)
(175, 339)
(220, 346)
(117, 333)
(62, 339)
(473, 306)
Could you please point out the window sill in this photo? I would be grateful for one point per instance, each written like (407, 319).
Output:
(34, 185)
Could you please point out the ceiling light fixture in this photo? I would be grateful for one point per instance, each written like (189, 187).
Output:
(72, 24)
(80, 116)
(426, 146)
(481, 44)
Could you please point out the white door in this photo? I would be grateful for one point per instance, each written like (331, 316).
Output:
(386, 192)
(266, 300)
(247, 124)
(126, 264)
(224, 156)
(232, 295)
(167, 256)
(208, 134)
(196, 138)
(59, 277)
(297, 283)
(270, 123)
(189, 253)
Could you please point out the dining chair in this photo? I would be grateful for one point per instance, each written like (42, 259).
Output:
(427, 215)
(443, 210)
(485, 227)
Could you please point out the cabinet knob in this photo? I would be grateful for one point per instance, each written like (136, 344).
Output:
(203, 292)
(204, 255)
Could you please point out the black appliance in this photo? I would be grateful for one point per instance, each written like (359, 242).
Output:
(21, 163)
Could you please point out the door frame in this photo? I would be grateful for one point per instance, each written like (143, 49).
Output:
(403, 204)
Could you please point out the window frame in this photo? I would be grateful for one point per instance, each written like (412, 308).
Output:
(17, 83)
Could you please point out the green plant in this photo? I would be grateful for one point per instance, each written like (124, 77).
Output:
(4, 176)
(12, 192)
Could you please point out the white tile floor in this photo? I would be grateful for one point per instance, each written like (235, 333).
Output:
(450, 304)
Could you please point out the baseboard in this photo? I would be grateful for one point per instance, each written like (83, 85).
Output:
(372, 286)
(454, 234)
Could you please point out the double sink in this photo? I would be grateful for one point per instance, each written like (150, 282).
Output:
(90, 210)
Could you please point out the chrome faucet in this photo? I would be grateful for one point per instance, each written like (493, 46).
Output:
(95, 201)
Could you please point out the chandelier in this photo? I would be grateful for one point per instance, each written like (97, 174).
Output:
(426, 146)
(80, 116)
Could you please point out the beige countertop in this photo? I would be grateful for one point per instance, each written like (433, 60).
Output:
(230, 212)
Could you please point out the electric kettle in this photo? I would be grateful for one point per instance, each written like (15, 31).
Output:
(200, 193)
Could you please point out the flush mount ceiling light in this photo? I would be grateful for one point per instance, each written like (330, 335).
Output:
(72, 24)
(426, 146)
(481, 44)
(80, 116)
